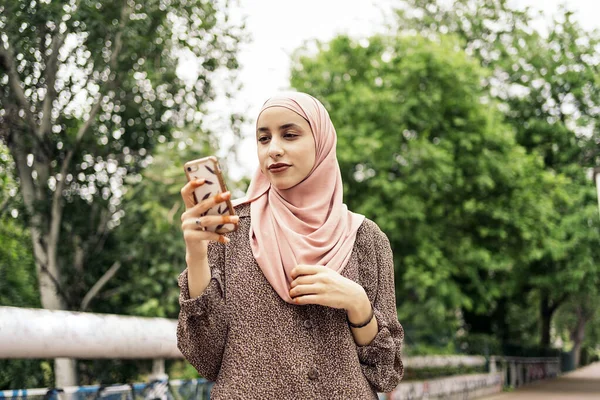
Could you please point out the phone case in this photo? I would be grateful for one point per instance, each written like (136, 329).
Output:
(208, 168)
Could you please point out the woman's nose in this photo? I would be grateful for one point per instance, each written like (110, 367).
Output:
(275, 149)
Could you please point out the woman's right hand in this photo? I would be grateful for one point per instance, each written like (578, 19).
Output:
(193, 224)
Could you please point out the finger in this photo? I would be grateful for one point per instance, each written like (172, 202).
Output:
(303, 269)
(213, 220)
(303, 280)
(209, 220)
(187, 192)
(303, 290)
(205, 205)
(191, 235)
(223, 239)
(308, 299)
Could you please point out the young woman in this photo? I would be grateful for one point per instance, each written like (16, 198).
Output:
(299, 302)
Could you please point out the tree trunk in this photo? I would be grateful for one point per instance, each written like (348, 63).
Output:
(545, 318)
(44, 251)
(65, 369)
(576, 354)
(577, 335)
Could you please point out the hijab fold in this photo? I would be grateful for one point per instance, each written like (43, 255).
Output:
(308, 223)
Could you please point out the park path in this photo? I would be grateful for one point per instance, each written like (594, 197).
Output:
(577, 385)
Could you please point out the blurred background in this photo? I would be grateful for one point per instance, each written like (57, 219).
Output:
(468, 130)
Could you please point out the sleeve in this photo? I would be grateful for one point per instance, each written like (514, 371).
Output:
(380, 360)
(202, 326)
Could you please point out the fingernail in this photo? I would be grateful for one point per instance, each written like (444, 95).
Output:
(225, 195)
(227, 240)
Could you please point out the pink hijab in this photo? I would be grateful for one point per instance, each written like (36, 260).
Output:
(308, 223)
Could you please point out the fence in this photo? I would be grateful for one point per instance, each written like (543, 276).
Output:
(455, 387)
(198, 389)
(519, 371)
(84, 335)
(513, 371)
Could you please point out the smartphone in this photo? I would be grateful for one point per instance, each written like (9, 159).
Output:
(208, 168)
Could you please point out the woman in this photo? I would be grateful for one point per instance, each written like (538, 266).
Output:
(299, 302)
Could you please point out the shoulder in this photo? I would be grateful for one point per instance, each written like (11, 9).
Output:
(371, 232)
(374, 256)
(373, 241)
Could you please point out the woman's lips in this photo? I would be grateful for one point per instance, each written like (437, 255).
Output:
(278, 169)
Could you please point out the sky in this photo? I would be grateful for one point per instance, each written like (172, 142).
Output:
(277, 28)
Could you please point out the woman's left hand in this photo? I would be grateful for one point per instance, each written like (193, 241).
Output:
(316, 284)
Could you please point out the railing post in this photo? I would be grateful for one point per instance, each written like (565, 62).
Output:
(158, 370)
(521, 366)
(493, 365)
(513, 374)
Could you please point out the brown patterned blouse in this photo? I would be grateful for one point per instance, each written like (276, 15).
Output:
(242, 335)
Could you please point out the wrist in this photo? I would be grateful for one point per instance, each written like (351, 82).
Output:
(360, 309)
(196, 259)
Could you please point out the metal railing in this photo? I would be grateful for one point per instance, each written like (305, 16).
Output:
(197, 389)
(519, 371)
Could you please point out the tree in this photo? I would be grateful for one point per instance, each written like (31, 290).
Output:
(87, 90)
(580, 309)
(18, 286)
(547, 83)
(425, 153)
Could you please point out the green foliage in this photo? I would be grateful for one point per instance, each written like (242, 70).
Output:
(93, 143)
(88, 92)
(547, 85)
(93, 372)
(148, 239)
(555, 72)
(181, 370)
(18, 285)
(20, 374)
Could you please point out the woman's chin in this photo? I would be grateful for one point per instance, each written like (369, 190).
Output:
(283, 184)
(280, 186)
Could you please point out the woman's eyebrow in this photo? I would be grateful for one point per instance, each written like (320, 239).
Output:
(290, 125)
(281, 128)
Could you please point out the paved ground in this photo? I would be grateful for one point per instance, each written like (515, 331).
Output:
(578, 385)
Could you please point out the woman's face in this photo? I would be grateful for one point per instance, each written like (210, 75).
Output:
(286, 147)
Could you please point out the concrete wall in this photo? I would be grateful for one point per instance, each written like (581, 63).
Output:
(455, 387)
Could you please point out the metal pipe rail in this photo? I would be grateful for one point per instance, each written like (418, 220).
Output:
(40, 333)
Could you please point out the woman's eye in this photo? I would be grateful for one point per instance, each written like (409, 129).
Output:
(289, 135)
(263, 139)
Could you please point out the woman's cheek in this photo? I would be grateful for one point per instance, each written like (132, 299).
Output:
(260, 162)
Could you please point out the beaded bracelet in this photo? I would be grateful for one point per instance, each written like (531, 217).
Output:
(353, 325)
